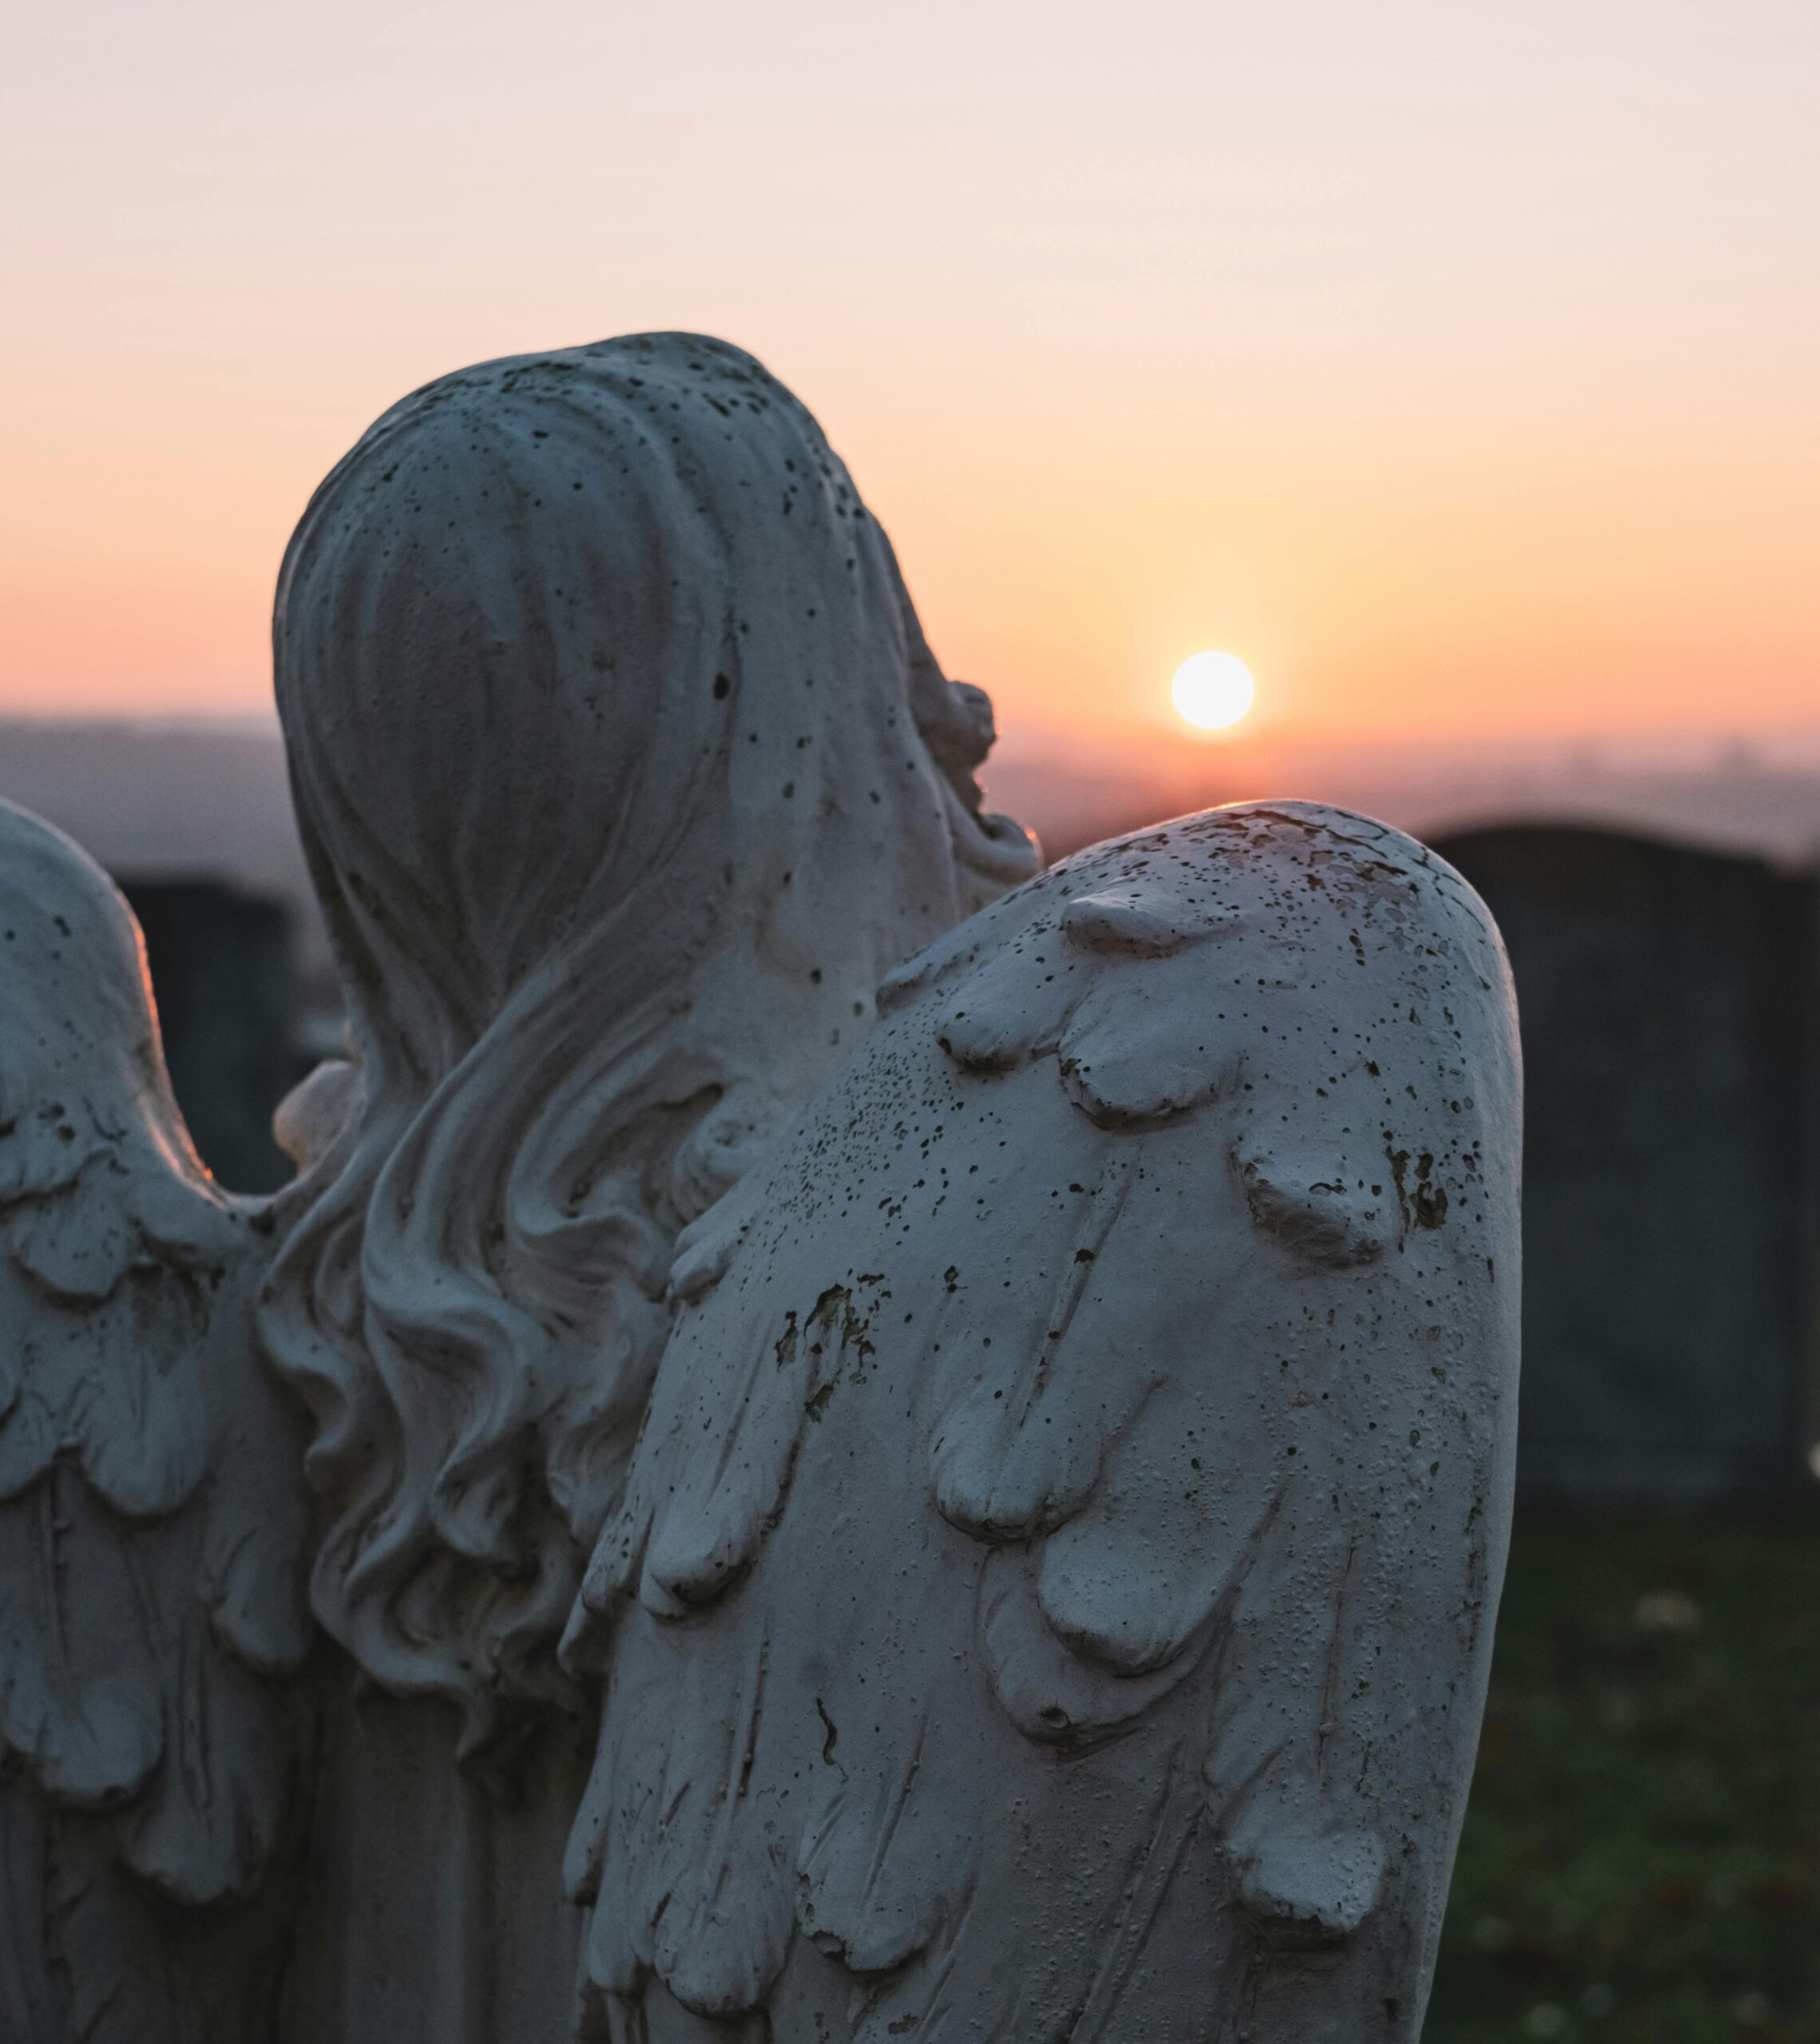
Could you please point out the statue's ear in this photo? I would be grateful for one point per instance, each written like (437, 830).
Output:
(317, 1111)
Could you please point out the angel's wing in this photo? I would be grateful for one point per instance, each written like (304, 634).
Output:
(1054, 1596)
(150, 1512)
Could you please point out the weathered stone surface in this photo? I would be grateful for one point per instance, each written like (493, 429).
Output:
(1053, 1594)
(153, 1519)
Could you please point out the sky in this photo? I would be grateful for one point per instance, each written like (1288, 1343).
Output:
(1457, 366)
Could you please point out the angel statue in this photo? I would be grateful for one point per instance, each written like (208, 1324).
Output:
(839, 1437)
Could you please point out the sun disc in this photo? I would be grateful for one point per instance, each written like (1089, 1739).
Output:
(1212, 691)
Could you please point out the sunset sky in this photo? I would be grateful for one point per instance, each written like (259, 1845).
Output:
(1457, 366)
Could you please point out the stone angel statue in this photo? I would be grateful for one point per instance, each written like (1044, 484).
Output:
(839, 1437)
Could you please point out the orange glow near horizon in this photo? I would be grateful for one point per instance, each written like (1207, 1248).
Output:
(1460, 372)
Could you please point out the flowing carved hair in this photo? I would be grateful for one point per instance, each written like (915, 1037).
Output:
(624, 775)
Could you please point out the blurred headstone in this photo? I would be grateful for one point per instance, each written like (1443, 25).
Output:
(1667, 1002)
(224, 979)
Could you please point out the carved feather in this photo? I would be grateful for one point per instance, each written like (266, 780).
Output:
(1053, 1596)
(150, 1512)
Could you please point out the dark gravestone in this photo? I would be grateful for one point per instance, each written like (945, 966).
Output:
(1666, 997)
(223, 977)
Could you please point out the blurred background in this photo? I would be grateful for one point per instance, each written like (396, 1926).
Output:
(1453, 369)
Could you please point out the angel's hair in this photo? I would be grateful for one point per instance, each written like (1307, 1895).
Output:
(624, 774)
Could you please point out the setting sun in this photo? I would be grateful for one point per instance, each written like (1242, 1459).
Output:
(1212, 691)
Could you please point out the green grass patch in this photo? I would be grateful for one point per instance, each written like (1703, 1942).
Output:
(1641, 1859)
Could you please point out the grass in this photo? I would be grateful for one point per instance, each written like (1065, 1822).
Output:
(1641, 1859)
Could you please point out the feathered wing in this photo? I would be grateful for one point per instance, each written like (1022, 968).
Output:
(1053, 1597)
(151, 1514)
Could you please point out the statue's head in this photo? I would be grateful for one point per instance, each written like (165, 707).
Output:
(603, 637)
(624, 773)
